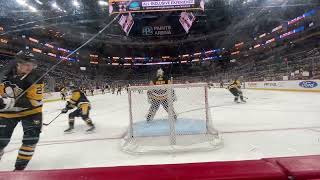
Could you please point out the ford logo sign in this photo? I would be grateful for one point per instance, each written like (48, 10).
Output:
(308, 84)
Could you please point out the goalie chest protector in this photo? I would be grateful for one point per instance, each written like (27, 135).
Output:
(160, 80)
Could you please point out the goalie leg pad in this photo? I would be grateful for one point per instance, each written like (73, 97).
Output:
(153, 109)
(166, 105)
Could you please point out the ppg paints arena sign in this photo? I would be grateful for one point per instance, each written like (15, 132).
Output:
(156, 30)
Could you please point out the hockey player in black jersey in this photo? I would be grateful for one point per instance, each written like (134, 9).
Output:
(157, 97)
(103, 89)
(235, 89)
(81, 103)
(119, 89)
(21, 81)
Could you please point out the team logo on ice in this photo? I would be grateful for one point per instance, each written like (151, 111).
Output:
(308, 84)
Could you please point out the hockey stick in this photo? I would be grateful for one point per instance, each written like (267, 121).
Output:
(47, 124)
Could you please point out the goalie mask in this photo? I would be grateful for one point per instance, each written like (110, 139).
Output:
(160, 72)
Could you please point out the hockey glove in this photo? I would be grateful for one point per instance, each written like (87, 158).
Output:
(65, 110)
(7, 101)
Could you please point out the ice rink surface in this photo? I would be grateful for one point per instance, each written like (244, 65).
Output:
(271, 124)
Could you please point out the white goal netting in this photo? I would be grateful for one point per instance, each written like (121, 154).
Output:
(170, 118)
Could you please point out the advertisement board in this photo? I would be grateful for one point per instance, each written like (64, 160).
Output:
(295, 85)
(125, 6)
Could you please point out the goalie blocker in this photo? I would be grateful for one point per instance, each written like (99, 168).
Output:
(182, 124)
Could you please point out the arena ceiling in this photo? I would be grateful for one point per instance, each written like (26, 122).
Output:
(70, 23)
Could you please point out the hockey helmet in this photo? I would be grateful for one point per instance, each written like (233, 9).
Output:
(160, 72)
(26, 57)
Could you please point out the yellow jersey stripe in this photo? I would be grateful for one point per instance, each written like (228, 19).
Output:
(24, 157)
(21, 114)
(27, 148)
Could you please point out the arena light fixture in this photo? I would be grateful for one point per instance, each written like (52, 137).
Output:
(55, 5)
(22, 2)
(103, 3)
(39, 2)
(75, 3)
(33, 9)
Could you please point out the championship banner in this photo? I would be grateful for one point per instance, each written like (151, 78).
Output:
(126, 23)
(186, 20)
(125, 6)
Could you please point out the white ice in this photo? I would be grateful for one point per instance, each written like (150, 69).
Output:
(271, 124)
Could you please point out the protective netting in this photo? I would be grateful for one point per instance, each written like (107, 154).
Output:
(170, 118)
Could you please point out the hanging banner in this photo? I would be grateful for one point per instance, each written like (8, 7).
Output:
(126, 22)
(186, 20)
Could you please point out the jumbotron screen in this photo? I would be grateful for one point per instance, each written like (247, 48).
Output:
(126, 6)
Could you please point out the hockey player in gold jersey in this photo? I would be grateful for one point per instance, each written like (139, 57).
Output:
(21, 96)
(81, 103)
(235, 89)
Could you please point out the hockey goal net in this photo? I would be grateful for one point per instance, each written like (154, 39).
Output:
(170, 118)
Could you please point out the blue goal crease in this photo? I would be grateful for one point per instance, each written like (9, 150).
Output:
(161, 127)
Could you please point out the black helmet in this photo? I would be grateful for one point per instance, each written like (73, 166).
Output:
(25, 57)
(160, 72)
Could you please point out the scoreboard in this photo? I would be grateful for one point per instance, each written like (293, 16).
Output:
(127, 6)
